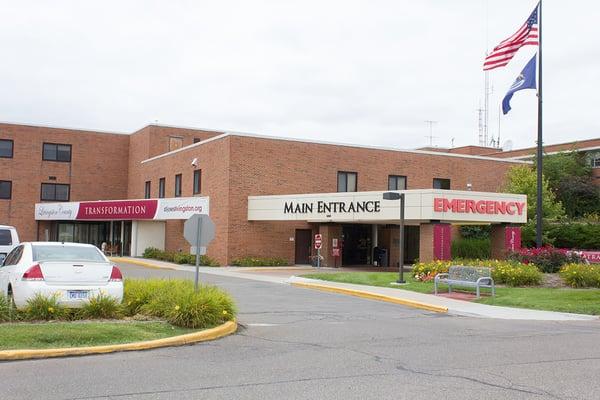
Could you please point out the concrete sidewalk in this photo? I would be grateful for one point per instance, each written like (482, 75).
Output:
(455, 307)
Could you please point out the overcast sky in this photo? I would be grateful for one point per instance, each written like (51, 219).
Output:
(368, 72)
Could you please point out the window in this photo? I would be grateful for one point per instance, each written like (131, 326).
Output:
(175, 143)
(147, 188)
(197, 181)
(6, 148)
(56, 152)
(197, 139)
(14, 256)
(396, 182)
(439, 183)
(596, 162)
(161, 188)
(178, 185)
(5, 237)
(346, 181)
(55, 192)
(5, 190)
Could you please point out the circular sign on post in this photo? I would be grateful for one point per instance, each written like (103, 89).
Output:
(318, 241)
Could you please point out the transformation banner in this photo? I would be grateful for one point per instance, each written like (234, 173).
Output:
(147, 209)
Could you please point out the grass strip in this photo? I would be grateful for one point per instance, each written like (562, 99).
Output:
(579, 301)
(77, 334)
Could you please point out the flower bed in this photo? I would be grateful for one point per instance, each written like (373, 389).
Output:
(510, 273)
(581, 275)
(548, 259)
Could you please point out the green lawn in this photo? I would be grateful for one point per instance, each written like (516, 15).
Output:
(76, 334)
(580, 301)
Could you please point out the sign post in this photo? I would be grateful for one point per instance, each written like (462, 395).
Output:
(198, 230)
(399, 196)
(318, 245)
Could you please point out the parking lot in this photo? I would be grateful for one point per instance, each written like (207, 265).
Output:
(299, 343)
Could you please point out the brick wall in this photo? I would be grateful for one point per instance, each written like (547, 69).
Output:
(98, 170)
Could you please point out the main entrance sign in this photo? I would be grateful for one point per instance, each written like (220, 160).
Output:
(368, 207)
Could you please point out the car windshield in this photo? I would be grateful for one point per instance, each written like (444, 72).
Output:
(5, 237)
(66, 253)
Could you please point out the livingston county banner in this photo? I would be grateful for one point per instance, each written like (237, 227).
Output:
(146, 209)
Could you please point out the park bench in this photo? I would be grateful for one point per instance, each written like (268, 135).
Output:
(459, 275)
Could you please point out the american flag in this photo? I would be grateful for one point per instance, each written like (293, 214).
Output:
(505, 51)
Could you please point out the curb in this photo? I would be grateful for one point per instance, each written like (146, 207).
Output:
(225, 329)
(140, 263)
(374, 296)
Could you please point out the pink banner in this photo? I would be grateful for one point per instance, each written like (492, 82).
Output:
(122, 209)
(442, 239)
(512, 238)
(593, 257)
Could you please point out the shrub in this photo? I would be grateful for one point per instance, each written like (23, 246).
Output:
(475, 231)
(6, 310)
(581, 275)
(260, 261)
(516, 274)
(101, 306)
(471, 248)
(207, 307)
(575, 235)
(177, 302)
(547, 259)
(510, 273)
(41, 307)
(151, 252)
(179, 258)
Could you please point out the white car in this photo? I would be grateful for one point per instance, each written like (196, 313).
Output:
(73, 272)
(9, 239)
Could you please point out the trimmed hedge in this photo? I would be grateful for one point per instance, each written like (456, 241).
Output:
(510, 273)
(581, 275)
(178, 258)
(260, 261)
(474, 248)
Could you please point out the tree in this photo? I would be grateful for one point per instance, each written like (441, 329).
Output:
(579, 196)
(523, 180)
(570, 178)
(560, 166)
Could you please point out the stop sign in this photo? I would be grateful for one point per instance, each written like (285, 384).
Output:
(318, 241)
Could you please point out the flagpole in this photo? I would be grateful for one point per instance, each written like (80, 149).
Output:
(539, 221)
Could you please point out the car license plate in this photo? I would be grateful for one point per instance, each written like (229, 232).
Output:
(78, 294)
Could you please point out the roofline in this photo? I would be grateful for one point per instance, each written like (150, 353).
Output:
(322, 142)
(574, 142)
(179, 127)
(557, 152)
(64, 127)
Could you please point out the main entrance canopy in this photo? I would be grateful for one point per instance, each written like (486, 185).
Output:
(369, 207)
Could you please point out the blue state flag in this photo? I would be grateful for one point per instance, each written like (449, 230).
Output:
(525, 80)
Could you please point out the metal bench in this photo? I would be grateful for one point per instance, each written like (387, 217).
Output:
(459, 275)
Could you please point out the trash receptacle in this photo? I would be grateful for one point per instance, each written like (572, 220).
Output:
(383, 257)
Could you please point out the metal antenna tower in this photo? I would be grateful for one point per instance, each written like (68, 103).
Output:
(430, 136)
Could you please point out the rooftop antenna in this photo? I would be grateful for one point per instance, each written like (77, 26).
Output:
(431, 137)
(488, 89)
(452, 142)
(499, 114)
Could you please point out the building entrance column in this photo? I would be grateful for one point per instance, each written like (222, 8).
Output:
(435, 241)
(504, 238)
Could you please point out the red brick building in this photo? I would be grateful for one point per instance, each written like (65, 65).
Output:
(68, 172)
